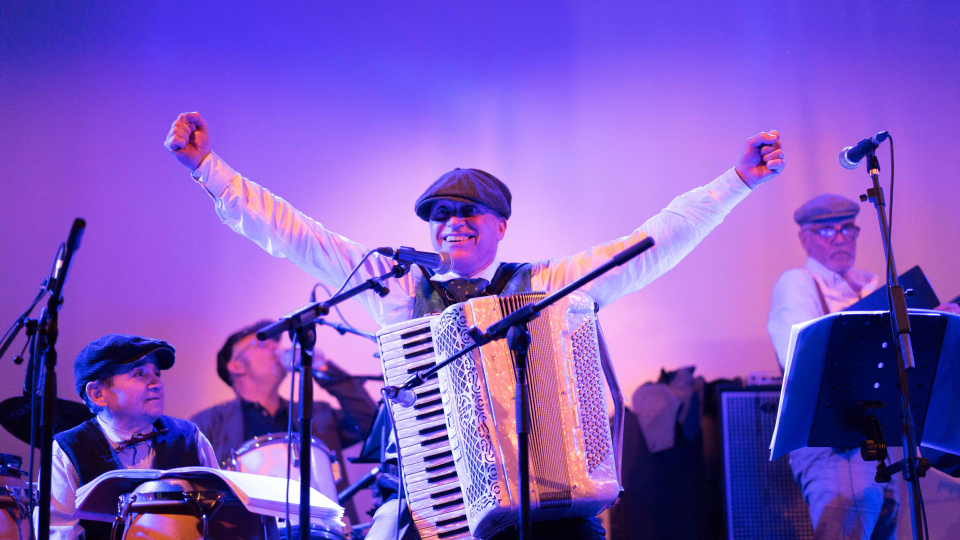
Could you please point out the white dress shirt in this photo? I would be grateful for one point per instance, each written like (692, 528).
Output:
(65, 480)
(795, 298)
(282, 231)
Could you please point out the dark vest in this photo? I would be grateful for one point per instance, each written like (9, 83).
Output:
(511, 278)
(91, 454)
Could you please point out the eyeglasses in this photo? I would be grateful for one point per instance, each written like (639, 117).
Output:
(442, 212)
(255, 343)
(829, 233)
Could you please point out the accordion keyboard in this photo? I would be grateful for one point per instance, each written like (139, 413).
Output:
(429, 473)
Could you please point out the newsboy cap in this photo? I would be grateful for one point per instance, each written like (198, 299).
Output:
(466, 185)
(826, 208)
(117, 349)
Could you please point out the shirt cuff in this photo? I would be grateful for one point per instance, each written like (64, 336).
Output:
(729, 189)
(214, 175)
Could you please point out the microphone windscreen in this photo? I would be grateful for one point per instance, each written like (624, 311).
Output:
(446, 262)
(845, 161)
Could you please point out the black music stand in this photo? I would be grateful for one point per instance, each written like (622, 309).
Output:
(921, 295)
(840, 388)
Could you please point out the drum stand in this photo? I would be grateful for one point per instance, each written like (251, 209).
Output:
(513, 327)
(301, 325)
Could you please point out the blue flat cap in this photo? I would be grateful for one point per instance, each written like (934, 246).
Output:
(117, 349)
(466, 185)
(826, 208)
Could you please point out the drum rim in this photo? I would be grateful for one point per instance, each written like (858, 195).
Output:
(176, 496)
(10, 491)
(256, 442)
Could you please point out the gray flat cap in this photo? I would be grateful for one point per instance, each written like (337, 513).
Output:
(826, 208)
(466, 185)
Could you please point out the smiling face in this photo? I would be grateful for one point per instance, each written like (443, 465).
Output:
(837, 254)
(469, 232)
(132, 398)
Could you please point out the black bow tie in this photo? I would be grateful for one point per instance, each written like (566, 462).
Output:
(464, 289)
(139, 438)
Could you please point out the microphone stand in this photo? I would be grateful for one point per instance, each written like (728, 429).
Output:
(911, 466)
(301, 325)
(513, 327)
(47, 333)
(343, 329)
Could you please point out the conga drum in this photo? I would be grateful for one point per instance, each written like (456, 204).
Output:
(14, 499)
(195, 509)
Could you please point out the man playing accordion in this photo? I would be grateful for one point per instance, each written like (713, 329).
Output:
(467, 211)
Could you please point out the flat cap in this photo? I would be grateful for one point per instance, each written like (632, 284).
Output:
(466, 185)
(117, 349)
(826, 208)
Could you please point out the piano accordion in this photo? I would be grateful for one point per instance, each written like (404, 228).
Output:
(457, 444)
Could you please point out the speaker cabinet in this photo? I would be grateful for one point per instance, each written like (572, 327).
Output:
(762, 499)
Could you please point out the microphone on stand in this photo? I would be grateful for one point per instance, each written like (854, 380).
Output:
(440, 263)
(850, 156)
(404, 397)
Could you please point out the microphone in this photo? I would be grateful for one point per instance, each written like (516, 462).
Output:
(399, 395)
(850, 156)
(438, 262)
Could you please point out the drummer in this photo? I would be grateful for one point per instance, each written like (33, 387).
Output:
(118, 378)
(254, 370)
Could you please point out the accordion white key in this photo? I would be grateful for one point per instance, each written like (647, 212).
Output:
(458, 442)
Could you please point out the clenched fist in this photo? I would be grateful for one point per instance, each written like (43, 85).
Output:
(189, 139)
(762, 159)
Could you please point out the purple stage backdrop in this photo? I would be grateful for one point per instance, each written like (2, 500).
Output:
(595, 115)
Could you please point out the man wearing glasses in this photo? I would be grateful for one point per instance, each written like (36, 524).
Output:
(838, 485)
(467, 212)
(255, 369)
(828, 282)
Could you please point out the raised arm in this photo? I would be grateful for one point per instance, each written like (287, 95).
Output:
(279, 228)
(677, 229)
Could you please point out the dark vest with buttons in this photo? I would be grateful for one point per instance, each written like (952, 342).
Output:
(511, 278)
(91, 454)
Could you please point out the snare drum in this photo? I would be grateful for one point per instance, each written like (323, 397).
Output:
(193, 509)
(267, 456)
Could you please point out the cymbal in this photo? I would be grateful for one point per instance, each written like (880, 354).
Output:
(15, 417)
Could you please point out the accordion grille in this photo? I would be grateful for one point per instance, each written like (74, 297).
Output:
(593, 407)
(481, 491)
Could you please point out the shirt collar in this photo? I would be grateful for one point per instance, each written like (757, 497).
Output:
(834, 279)
(117, 435)
(487, 273)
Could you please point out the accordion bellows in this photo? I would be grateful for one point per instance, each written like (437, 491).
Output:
(458, 443)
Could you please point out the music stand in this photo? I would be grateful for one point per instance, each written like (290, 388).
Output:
(921, 294)
(840, 385)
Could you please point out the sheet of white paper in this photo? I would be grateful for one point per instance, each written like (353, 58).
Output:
(97, 500)
(808, 341)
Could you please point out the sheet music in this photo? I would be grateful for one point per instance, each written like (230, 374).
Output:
(795, 411)
(809, 341)
(97, 500)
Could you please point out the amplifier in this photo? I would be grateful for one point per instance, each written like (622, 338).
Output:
(762, 499)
